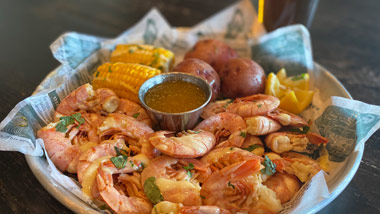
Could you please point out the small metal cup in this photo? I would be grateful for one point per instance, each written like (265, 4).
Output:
(174, 121)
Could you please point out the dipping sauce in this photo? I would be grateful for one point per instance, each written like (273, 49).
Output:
(175, 97)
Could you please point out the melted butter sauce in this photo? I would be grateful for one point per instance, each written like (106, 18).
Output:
(175, 97)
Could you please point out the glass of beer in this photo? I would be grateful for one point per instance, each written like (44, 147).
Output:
(277, 13)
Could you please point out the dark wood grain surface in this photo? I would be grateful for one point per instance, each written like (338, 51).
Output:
(345, 37)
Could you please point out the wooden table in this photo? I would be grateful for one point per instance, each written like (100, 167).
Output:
(345, 37)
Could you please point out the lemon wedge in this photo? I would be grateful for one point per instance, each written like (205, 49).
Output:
(293, 91)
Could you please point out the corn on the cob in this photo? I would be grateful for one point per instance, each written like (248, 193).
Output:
(124, 79)
(144, 54)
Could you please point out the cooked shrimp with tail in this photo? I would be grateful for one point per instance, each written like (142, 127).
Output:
(254, 105)
(227, 128)
(190, 144)
(176, 179)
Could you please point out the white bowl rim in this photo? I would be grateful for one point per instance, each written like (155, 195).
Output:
(38, 165)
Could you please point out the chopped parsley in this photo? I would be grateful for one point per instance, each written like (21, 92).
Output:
(131, 51)
(120, 161)
(69, 120)
(152, 191)
(259, 105)
(230, 185)
(188, 168)
(252, 147)
(142, 166)
(270, 167)
(97, 74)
(299, 77)
(243, 134)
(136, 115)
(302, 130)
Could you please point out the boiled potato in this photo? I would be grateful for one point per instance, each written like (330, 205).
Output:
(241, 77)
(202, 69)
(212, 51)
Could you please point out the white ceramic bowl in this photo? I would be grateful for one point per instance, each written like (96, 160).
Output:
(38, 165)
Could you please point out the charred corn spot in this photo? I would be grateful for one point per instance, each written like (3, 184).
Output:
(159, 58)
(124, 79)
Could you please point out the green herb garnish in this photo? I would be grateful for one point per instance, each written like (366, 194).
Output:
(142, 165)
(299, 77)
(259, 105)
(270, 167)
(68, 120)
(131, 51)
(136, 115)
(230, 185)
(252, 147)
(97, 74)
(78, 117)
(243, 134)
(119, 161)
(121, 152)
(152, 191)
(302, 130)
(188, 168)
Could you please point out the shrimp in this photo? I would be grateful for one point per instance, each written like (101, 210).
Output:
(284, 141)
(104, 149)
(132, 184)
(147, 148)
(284, 185)
(295, 164)
(176, 179)
(223, 125)
(85, 99)
(239, 189)
(165, 207)
(107, 99)
(122, 124)
(190, 144)
(260, 125)
(215, 108)
(254, 105)
(88, 130)
(60, 148)
(134, 110)
(116, 199)
(253, 144)
(287, 118)
(219, 158)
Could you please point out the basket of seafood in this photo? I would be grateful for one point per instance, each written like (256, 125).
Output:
(217, 118)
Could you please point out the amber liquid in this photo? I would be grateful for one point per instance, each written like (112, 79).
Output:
(175, 97)
(278, 13)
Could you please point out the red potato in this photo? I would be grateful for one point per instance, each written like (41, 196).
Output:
(241, 77)
(213, 52)
(202, 69)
